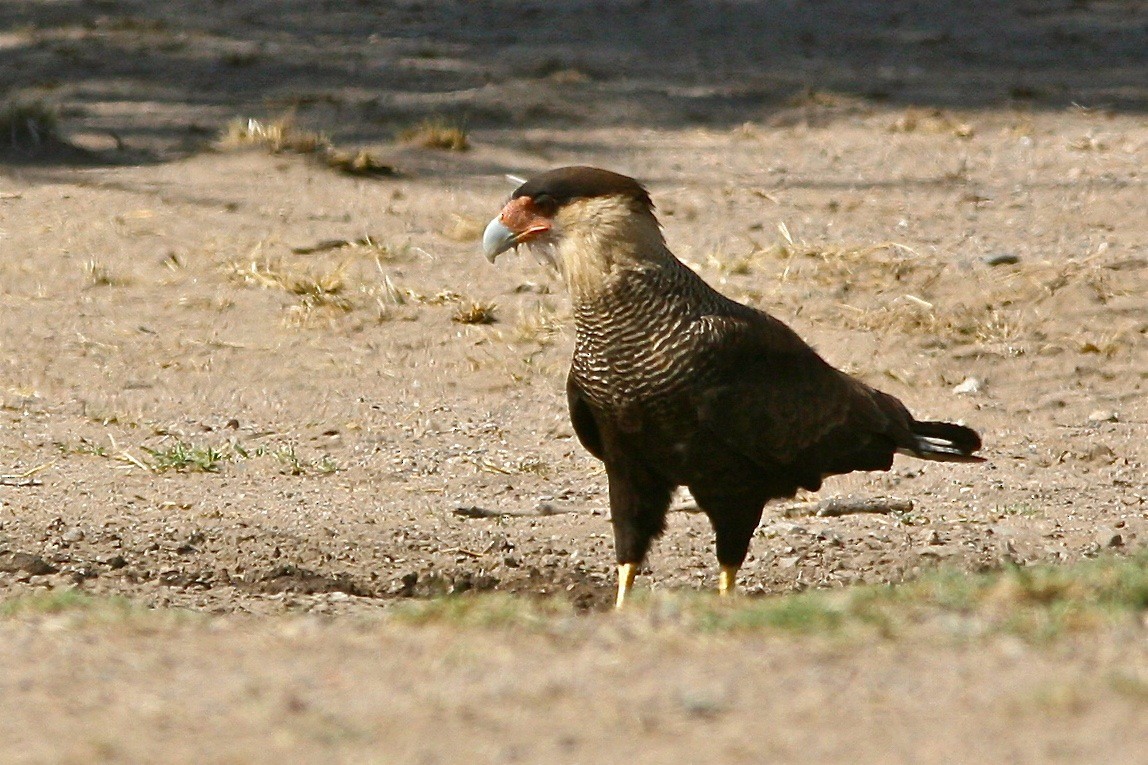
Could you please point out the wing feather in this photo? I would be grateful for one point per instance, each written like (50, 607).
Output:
(777, 402)
(582, 418)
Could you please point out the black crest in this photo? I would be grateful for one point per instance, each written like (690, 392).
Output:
(565, 184)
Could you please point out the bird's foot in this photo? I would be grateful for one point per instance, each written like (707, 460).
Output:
(626, 572)
(727, 581)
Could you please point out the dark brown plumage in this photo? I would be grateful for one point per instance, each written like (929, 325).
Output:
(673, 384)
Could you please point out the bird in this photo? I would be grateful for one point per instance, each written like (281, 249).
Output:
(673, 384)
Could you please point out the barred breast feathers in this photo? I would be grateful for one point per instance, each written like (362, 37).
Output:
(645, 339)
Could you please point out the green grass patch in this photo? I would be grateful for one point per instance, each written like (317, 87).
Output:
(293, 464)
(806, 612)
(493, 610)
(1130, 685)
(62, 601)
(83, 446)
(74, 608)
(1037, 604)
(185, 457)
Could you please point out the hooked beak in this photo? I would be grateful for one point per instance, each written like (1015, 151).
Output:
(497, 239)
(519, 222)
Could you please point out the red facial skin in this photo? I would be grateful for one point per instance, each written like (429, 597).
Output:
(524, 218)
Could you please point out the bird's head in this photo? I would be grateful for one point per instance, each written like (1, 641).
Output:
(583, 220)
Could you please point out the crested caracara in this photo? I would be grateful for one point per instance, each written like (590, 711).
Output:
(673, 384)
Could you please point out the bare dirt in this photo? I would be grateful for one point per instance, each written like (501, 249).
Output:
(233, 382)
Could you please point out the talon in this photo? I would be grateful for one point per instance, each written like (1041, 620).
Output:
(727, 581)
(626, 572)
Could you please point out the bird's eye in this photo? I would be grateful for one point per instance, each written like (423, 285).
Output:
(545, 203)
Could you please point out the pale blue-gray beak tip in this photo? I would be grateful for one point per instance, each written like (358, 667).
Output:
(497, 239)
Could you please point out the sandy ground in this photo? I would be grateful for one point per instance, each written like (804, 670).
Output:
(205, 405)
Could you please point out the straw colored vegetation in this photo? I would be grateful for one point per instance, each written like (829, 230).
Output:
(475, 312)
(890, 287)
(98, 275)
(931, 121)
(281, 136)
(315, 290)
(911, 315)
(324, 291)
(186, 457)
(357, 162)
(437, 133)
(540, 324)
(832, 265)
(276, 136)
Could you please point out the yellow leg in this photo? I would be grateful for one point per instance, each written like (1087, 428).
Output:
(727, 581)
(626, 573)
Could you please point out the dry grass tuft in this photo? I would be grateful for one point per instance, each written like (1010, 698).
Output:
(1048, 278)
(540, 325)
(319, 293)
(98, 275)
(908, 314)
(387, 293)
(28, 123)
(931, 121)
(359, 162)
(889, 287)
(833, 265)
(442, 297)
(736, 265)
(437, 133)
(277, 137)
(304, 283)
(282, 136)
(475, 312)
(365, 246)
(852, 264)
(1108, 345)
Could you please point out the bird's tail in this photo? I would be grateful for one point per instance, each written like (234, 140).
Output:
(943, 442)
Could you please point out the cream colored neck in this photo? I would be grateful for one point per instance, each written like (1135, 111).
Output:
(600, 237)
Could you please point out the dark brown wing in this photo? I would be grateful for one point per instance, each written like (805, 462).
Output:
(582, 418)
(775, 401)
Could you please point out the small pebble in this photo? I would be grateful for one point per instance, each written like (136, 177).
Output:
(1110, 539)
(1103, 415)
(1098, 453)
(970, 385)
(1002, 259)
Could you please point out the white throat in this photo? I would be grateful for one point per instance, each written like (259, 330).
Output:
(595, 239)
